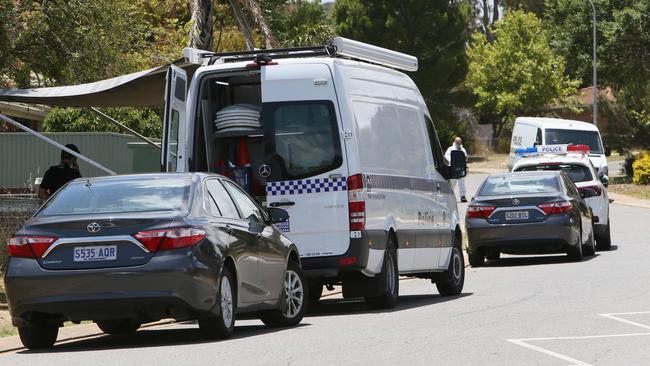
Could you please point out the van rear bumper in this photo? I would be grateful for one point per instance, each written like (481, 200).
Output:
(355, 259)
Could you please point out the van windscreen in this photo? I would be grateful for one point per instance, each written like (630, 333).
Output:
(576, 137)
(304, 139)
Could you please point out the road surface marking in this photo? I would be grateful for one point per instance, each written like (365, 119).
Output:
(523, 342)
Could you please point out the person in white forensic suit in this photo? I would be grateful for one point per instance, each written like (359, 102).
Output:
(457, 145)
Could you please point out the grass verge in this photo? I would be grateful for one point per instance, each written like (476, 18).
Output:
(631, 190)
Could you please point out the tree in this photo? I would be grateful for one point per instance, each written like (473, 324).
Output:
(434, 31)
(517, 73)
(145, 121)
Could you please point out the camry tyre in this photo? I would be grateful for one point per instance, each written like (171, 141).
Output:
(604, 241)
(222, 325)
(389, 274)
(575, 252)
(38, 336)
(590, 248)
(453, 279)
(294, 300)
(119, 326)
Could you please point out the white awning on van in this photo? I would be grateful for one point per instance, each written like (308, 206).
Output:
(140, 89)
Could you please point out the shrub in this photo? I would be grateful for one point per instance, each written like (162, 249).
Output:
(641, 168)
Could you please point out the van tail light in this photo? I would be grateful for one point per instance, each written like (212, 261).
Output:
(597, 189)
(556, 208)
(168, 239)
(29, 246)
(357, 202)
(479, 212)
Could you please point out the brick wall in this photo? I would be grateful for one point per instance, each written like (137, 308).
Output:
(14, 211)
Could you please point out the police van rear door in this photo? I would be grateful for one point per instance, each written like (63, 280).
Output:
(305, 165)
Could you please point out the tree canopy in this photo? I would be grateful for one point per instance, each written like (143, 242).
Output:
(518, 72)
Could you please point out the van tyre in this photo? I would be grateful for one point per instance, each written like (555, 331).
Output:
(493, 255)
(119, 326)
(222, 325)
(604, 241)
(38, 336)
(390, 274)
(453, 279)
(315, 293)
(295, 296)
(476, 259)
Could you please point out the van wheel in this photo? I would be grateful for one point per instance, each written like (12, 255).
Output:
(38, 336)
(604, 241)
(390, 274)
(120, 326)
(476, 259)
(315, 293)
(295, 300)
(222, 325)
(493, 255)
(453, 278)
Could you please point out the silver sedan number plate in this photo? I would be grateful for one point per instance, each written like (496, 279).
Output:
(517, 215)
(95, 253)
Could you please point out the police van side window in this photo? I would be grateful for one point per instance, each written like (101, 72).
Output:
(391, 139)
(304, 139)
(438, 157)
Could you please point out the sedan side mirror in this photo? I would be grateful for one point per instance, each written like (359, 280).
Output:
(458, 164)
(278, 215)
(588, 192)
(608, 150)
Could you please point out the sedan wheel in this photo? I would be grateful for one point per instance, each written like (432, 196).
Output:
(294, 301)
(38, 336)
(223, 324)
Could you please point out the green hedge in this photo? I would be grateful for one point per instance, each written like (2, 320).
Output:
(641, 169)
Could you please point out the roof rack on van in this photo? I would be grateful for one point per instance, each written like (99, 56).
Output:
(338, 47)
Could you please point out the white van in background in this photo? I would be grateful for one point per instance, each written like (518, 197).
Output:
(343, 142)
(530, 131)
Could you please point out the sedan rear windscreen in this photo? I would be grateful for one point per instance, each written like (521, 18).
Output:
(113, 196)
(577, 173)
(511, 185)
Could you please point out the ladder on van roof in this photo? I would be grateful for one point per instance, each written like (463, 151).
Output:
(338, 47)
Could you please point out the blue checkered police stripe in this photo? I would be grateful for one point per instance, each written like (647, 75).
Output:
(306, 186)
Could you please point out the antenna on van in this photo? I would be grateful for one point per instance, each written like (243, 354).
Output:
(338, 47)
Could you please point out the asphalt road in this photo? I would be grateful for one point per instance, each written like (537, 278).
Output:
(517, 311)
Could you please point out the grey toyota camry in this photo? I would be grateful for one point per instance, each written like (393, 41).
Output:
(529, 213)
(126, 250)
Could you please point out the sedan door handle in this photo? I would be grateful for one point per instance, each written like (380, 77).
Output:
(282, 203)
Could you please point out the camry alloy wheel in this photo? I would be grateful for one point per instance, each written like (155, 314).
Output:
(294, 294)
(226, 301)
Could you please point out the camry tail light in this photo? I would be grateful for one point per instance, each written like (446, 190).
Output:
(29, 246)
(169, 239)
(555, 208)
(480, 212)
(357, 202)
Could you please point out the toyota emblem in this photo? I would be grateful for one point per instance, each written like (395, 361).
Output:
(93, 227)
(264, 170)
(516, 202)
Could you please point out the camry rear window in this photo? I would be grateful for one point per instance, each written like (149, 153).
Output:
(577, 173)
(113, 196)
(510, 185)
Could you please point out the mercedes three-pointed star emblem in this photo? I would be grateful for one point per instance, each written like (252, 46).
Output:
(264, 170)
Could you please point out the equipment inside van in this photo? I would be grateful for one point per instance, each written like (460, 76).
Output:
(340, 139)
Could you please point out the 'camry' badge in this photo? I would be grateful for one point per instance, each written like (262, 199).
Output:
(93, 227)
(516, 202)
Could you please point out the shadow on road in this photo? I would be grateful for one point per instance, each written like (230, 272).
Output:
(155, 338)
(534, 261)
(327, 307)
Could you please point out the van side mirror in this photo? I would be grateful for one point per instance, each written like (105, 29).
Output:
(604, 179)
(608, 150)
(278, 215)
(458, 165)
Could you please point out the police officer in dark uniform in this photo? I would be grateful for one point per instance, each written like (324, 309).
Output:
(59, 175)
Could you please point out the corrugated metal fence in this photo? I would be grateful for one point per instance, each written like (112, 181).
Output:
(23, 157)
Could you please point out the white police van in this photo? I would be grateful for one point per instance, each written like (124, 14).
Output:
(574, 161)
(342, 141)
(530, 131)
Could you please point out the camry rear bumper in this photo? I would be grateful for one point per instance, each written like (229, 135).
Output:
(553, 235)
(171, 284)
